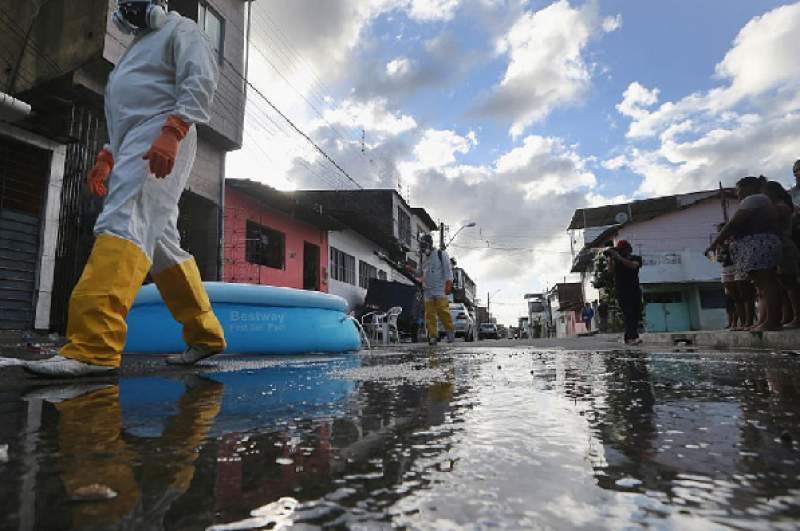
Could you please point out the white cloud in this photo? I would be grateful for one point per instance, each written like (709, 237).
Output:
(763, 56)
(611, 24)
(547, 67)
(615, 163)
(398, 67)
(372, 116)
(635, 98)
(522, 201)
(437, 149)
(430, 10)
(746, 125)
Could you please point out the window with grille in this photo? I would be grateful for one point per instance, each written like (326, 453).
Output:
(712, 299)
(214, 25)
(403, 226)
(265, 246)
(343, 266)
(365, 273)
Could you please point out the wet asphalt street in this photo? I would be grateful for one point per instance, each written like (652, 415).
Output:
(443, 438)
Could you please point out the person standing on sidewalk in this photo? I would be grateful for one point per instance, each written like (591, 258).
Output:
(437, 283)
(587, 315)
(602, 316)
(161, 88)
(625, 265)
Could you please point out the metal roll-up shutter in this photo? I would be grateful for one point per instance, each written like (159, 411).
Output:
(24, 171)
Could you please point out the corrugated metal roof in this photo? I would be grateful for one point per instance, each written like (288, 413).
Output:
(570, 296)
(637, 211)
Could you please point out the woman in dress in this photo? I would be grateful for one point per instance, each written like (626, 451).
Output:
(757, 249)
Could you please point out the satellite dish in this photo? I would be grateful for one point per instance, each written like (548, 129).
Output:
(621, 218)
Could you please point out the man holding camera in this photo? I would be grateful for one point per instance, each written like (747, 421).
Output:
(625, 265)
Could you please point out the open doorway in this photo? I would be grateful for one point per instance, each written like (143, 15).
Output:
(310, 266)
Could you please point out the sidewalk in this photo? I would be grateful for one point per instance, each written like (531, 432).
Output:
(723, 339)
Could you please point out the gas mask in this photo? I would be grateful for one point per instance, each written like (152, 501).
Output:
(137, 16)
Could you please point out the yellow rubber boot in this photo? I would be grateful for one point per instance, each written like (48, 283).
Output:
(92, 451)
(96, 328)
(183, 293)
(431, 323)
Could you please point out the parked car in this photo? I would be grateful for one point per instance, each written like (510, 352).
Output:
(463, 321)
(487, 331)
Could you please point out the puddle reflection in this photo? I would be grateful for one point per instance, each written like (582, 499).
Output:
(421, 439)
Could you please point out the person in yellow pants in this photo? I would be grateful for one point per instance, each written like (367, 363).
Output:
(147, 475)
(161, 88)
(437, 284)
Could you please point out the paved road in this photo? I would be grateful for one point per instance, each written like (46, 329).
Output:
(564, 435)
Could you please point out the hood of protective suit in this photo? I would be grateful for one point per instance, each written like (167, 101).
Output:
(137, 16)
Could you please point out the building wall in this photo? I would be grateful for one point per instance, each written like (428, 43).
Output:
(687, 229)
(699, 317)
(238, 210)
(64, 36)
(208, 172)
(672, 245)
(362, 249)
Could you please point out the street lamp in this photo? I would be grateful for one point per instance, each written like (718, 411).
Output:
(467, 226)
(489, 298)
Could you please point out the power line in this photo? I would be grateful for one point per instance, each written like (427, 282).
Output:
(233, 107)
(303, 134)
(299, 93)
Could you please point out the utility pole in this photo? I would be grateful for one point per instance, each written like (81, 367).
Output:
(488, 307)
(441, 235)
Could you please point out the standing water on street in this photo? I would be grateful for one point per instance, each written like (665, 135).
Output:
(444, 439)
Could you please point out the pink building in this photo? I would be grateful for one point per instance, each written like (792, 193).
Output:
(275, 239)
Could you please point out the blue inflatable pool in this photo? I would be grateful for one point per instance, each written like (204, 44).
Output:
(256, 319)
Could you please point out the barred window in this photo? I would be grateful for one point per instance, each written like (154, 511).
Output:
(343, 266)
(265, 246)
(365, 273)
(403, 226)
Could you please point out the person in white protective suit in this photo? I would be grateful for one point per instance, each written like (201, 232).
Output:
(161, 88)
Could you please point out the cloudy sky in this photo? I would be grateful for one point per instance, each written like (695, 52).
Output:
(514, 113)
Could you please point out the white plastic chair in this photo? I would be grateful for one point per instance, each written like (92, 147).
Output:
(371, 322)
(389, 323)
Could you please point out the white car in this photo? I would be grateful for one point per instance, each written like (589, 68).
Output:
(463, 322)
(488, 330)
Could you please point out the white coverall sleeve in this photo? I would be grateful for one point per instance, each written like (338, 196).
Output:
(196, 74)
(447, 271)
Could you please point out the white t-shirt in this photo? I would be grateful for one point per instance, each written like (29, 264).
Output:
(436, 271)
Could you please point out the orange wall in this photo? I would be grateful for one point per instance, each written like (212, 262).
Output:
(238, 210)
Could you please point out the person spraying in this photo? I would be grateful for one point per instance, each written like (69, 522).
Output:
(159, 91)
(437, 284)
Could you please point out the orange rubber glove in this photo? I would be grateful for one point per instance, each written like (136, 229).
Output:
(448, 287)
(98, 175)
(164, 150)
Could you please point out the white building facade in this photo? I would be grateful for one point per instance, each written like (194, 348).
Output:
(354, 259)
(682, 288)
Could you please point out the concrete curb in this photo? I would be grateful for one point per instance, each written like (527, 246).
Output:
(723, 339)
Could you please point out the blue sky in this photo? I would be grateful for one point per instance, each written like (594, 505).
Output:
(514, 113)
(672, 45)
